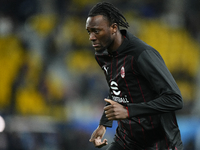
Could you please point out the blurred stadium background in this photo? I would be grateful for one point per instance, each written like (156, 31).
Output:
(51, 88)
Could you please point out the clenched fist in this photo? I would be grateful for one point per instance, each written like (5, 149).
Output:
(115, 111)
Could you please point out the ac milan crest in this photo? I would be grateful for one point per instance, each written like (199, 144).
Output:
(122, 72)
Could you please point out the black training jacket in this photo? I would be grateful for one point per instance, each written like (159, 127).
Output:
(139, 79)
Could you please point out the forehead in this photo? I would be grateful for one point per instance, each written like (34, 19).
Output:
(96, 22)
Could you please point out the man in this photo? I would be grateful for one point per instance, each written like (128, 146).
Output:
(143, 95)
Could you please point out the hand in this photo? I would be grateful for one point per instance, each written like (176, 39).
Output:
(97, 135)
(115, 111)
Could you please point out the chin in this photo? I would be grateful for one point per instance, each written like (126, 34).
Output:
(98, 49)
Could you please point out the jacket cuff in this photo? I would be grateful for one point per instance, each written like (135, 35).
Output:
(105, 122)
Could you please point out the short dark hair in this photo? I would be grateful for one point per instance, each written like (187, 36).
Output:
(110, 12)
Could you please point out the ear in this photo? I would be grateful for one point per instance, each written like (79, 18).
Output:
(114, 27)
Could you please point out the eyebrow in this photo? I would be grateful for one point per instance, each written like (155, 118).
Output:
(93, 29)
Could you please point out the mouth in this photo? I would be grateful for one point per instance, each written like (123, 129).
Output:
(95, 45)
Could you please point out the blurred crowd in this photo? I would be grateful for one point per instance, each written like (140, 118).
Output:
(48, 68)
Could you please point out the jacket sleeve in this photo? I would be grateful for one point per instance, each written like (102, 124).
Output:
(104, 120)
(152, 67)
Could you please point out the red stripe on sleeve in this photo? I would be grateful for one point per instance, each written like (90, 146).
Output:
(127, 111)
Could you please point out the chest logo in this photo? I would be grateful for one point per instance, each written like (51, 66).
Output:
(122, 72)
(114, 88)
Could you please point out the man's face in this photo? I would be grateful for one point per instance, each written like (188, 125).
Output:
(100, 32)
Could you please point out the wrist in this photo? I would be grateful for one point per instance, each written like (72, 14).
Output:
(102, 126)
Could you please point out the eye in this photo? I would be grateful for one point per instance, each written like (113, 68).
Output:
(88, 32)
(96, 31)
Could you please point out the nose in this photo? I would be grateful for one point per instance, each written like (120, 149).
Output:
(92, 37)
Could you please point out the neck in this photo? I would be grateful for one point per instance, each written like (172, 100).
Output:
(118, 39)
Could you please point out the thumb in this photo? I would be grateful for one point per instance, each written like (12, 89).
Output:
(109, 101)
(105, 142)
